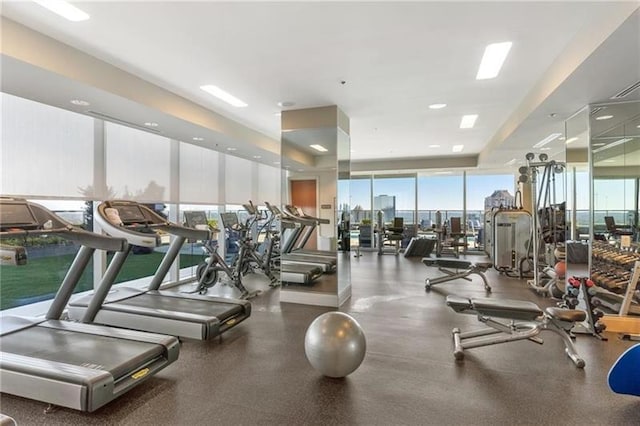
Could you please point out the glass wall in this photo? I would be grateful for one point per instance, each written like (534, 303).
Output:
(484, 192)
(439, 191)
(395, 196)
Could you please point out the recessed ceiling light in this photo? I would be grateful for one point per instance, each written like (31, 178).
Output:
(223, 96)
(79, 102)
(278, 114)
(196, 138)
(599, 144)
(561, 138)
(319, 148)
(458, 148)
(571, 140)
(492, 60)
(511, 162)
(434, 146)
(64, 9)
(151, 124)
(286, 104)
(638, 126)
(550, 138)
(443, 173)
(257, 156)
(604, 117)
(231, 149)
(468, 121)
(545, 149)
(437, 106)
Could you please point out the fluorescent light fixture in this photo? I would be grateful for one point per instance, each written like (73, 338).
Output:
(604, 117)
(458, 148)
(196, 138)
(437, 106)
(64, 9)
(443, 173)
(223, 96)
(545, 149)
(286, 104)
(492, 60)
(468, 121)
(231, 149)
(79, 102)
(612, 144)
(609, 161)
(434, 146)
(552, 137)
(511, 162)
(599, 144)
(257, 157)
(319, 148)
(151, 124)
(571, 140)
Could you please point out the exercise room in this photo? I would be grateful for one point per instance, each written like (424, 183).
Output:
(301, 213)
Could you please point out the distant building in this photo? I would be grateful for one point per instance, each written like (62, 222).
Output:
(499, 198)
(386, 203)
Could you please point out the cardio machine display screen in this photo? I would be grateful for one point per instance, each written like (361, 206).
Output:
(229, 219)
(131, 214)
(194, 218)
(16, 216)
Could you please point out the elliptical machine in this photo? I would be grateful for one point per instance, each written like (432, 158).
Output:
(547, 231)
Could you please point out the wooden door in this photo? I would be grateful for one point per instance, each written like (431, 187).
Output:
(304, 195)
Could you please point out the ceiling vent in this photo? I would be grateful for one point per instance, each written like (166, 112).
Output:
(123, 122)
(627, 91)
(596, 110)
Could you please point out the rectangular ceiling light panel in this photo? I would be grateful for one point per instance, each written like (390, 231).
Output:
(612, 144)
(458, 148)
(223, 96)
(468, 121)
(492, 60)
(319, 148)
(64, 9)
(552, 137)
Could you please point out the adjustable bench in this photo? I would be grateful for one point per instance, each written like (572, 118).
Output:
(523, 320)
(454, 269)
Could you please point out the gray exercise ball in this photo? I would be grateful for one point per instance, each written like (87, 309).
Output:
(335, 344)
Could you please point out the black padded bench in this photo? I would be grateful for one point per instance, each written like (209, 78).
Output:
(455, 269)
(521, 320)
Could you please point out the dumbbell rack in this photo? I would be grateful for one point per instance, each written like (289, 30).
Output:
(583, 288)
(611, 266)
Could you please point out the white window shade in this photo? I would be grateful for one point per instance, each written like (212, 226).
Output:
(45, 151)
(238, 180)
(199, 169)
(269, 182)
(138, 164)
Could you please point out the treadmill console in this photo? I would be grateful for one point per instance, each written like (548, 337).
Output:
(229, 220)
(16, 214)
(131, 214)
(196, 219)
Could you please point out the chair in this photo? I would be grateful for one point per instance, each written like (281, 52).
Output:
(393, 236)
(615, 230)
(455, 238)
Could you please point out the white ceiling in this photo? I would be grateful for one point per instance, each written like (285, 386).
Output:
(396, 59)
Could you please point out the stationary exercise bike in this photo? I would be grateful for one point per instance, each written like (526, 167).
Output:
(208, 271)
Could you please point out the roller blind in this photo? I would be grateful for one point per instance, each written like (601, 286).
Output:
(199, 169)
(45, 151)
(137, 164)
(238, 180)
(269, 182)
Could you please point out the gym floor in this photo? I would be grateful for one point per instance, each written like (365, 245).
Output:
(258, 374)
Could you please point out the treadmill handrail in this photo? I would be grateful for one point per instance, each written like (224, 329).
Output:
(51, 224)
(298, 219)
(301, 214)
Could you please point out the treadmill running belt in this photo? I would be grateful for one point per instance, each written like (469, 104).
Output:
(179, 304)
(116, 356)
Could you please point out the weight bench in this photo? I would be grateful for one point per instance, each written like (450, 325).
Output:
(523, 320)
(455, 269)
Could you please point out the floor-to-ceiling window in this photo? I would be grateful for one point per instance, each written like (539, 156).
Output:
(484, 192)
(395, 196)
(439, 192)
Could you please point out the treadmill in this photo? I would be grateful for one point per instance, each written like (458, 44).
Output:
(169, 312)
(291, 272)
(79, 366)
(297, 243)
